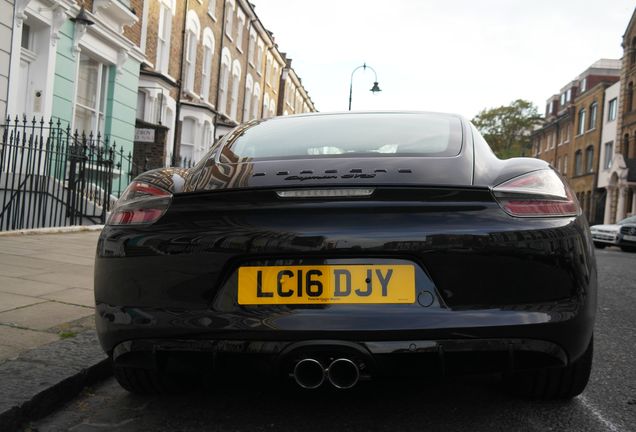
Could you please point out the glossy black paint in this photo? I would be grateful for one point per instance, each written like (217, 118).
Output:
(482, 275)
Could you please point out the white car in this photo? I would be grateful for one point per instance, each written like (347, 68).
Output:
(622, 233)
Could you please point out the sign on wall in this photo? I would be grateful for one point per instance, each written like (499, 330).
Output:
(144, 135)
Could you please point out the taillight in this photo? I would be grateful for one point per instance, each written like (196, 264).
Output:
(539, 193)
(141, 203)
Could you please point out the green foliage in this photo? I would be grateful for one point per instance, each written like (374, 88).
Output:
(66, 334)
(507, 128)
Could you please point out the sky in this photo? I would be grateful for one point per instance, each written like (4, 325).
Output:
(457, 56)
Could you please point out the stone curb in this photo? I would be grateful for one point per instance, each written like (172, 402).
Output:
(54, 230)
(42, 379)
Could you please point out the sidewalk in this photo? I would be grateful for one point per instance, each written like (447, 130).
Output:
(46, 289)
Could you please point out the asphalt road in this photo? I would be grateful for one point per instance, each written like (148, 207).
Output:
(476, 403)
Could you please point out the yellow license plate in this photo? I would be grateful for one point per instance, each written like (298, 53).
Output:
(326, 284)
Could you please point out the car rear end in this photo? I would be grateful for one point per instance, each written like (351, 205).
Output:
(366, 265)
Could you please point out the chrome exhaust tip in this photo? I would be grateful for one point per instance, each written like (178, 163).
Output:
(309, 373)
(343, 373)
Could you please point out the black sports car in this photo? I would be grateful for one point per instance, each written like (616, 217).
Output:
(333, 248)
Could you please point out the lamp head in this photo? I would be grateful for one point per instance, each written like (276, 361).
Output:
(82, 18)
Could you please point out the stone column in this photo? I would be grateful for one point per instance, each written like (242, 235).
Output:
(607, 215)
(620, 209)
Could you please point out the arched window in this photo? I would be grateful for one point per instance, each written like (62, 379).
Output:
(256, 96)
(206, 71)
(229, 17)
(247, 101)
(589, 159)
(236, 81)
(193, 33)
(224, 80)
(266, 106)
(578, 163)
(630, 96)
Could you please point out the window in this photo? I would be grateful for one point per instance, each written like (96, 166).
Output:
(578, 163)
(559, 166)
(188, 134)
(193, 29)
(581, 127)
(566, 137)
(266, 106)
(141, 105)
(563, 99)
(259, 57)
(268, 70)
(568, 95)
(247, 100)
(255, 100)
(633, 56)
(630, 96)
(609, 154)
(565, 165)
(593, 110)
(583, 85)
(611, 110)
(239, 30)
(90, 100)
(589, 159)
(224, 79)
(206, 141)
(363, 135)
(229, 18)
(212, 8)
(272, 108)
(166, 11)
(236, 81)
(206, 71)
(251, 47)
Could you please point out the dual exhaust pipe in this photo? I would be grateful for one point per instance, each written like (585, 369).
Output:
(342, 373)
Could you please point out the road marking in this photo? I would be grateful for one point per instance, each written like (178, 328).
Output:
(600, 417)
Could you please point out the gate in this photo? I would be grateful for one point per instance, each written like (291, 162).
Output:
(51, 177)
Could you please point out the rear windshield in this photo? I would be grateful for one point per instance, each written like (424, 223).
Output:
(351, 135)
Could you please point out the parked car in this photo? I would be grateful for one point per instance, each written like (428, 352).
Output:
(335, 248)
(622, 234)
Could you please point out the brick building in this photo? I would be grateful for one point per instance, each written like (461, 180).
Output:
(210, 65)
(293, 98)
(622, 176)
(571, 137)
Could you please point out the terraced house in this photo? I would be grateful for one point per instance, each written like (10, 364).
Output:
(99, 91)
(210, 65)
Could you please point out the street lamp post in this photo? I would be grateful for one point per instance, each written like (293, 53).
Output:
(373, 89)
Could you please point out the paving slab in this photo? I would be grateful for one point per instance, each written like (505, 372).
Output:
(27, 287)
(9, 301)
(45, 315)
(76, 296)
(78, 279)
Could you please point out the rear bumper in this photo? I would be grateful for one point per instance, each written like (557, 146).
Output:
(481, 275)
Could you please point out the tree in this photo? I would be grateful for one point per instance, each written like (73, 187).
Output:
(507, 128)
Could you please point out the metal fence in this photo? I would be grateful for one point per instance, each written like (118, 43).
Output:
(51, 177)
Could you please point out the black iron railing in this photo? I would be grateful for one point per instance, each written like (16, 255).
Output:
(51, 177)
